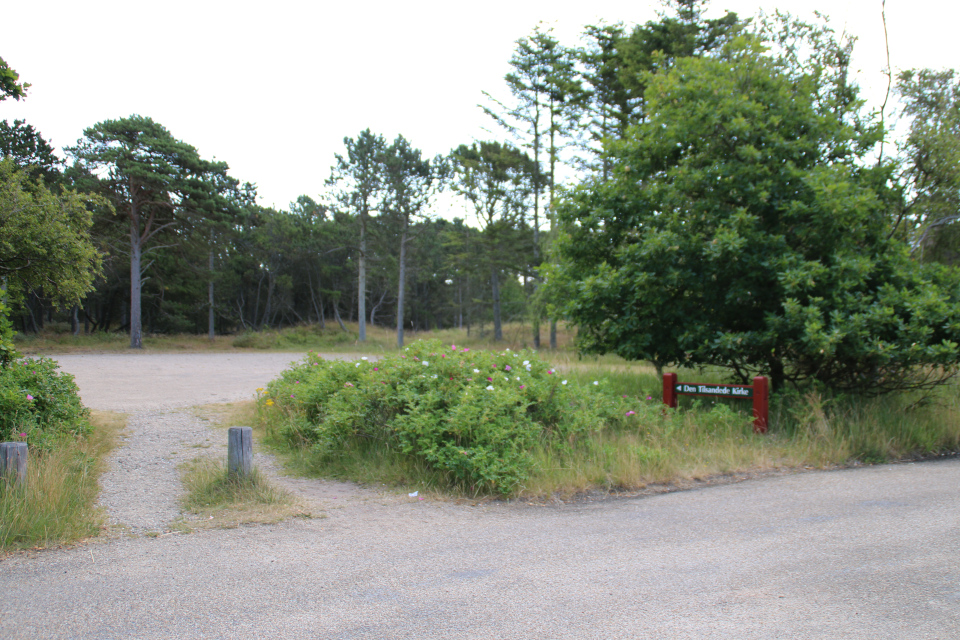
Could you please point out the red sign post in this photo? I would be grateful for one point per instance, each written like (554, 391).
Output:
(759, 391)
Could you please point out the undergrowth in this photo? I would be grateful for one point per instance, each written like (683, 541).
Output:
(437, 426)
(58, 504)
(472, 417)
(39, 404)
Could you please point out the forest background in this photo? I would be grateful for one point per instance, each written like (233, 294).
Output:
(188, 248)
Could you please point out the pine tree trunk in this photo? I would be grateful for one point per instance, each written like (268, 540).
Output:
(401, 286)
(553, 334)
(136, 332)
(210, 318)
(362, 294)
(495, 285)
(271, 281)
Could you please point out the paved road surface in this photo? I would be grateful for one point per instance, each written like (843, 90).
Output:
(865, 553)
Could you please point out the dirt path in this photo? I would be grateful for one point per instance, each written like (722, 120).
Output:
(866, 553)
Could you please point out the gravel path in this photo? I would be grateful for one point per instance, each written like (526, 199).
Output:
(141, 489)
(867, 553)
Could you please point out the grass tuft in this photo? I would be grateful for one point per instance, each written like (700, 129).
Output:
(220, 499)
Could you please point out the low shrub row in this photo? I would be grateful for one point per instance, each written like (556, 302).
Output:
(475, 416)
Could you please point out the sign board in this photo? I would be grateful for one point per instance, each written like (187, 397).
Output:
(725, 390)
(758, 392)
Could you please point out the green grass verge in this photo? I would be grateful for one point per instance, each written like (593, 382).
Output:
(58, 505)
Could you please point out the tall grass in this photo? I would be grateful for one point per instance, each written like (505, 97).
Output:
(58, 505)
(225, 499)
(707, 438)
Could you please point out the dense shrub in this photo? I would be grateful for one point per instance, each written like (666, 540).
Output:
(39, 403)
(476, 416)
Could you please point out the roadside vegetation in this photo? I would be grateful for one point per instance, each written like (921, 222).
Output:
(464, 425)
(58, 505)
(56, 338)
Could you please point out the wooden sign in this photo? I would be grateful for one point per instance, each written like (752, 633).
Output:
(759, 392)
(724, 390)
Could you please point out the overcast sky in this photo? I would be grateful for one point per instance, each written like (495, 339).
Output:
(272, 88)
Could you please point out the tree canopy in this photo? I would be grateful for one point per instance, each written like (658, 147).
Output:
(45, 243)
(743, 228)
(156, 182)
(10, 84)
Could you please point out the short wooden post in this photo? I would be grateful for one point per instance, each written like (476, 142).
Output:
(761, 404)
(670, 389)
(240, 451)
(13, 463)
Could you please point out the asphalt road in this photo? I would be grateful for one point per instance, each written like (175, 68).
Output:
(862, 553)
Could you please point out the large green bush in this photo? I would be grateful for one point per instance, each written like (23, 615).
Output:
(39, 404)
(744, 227)
(475, 416)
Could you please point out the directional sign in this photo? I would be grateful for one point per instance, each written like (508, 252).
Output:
(759, 392)
(724, 390)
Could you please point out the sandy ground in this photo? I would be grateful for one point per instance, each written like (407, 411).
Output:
(866, 553)
(131, 382)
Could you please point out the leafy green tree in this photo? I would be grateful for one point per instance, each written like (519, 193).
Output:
(742, 228)
(45, 242)
(24, 144)
(608, 106)
(148, 173)
(10, 84)
(547, 97)
(410, 183)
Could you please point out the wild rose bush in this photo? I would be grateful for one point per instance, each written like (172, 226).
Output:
(474, 415)
(39, 404)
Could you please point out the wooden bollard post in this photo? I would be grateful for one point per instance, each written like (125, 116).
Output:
(13, 463)
(240, 451)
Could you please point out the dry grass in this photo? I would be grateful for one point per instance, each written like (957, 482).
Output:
(59, 503)
(218, 499)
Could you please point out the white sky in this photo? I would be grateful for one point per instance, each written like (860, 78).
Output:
(272, 88)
